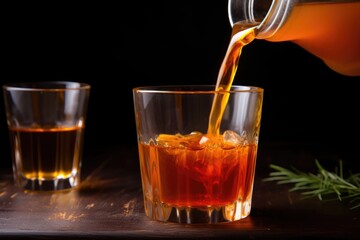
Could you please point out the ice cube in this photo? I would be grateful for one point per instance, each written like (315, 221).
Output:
(168, 140)
(192, 140)
(232, 139)
(203, 140)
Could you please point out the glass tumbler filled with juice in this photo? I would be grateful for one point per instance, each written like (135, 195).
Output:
(46, 122)
(197, 158)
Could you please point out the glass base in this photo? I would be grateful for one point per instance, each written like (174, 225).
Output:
(47, 184)
(191, 215)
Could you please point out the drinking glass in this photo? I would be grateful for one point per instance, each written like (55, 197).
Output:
(191, 173)
(46, 122)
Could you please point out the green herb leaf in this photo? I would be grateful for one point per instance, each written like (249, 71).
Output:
(322, 185)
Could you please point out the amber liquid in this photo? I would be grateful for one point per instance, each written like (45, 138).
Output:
(330, 31)
(199, 177)
(46, 154)
(179, 171)
(242, 34)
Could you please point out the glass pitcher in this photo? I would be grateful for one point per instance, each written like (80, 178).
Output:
(329, 29)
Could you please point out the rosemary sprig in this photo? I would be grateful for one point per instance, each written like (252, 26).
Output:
(322, 184)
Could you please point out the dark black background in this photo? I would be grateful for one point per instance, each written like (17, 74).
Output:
(124, 44)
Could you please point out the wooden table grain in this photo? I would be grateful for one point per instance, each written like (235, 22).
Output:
(108, 204)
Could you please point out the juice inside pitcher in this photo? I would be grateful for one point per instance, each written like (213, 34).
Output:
(330, 31)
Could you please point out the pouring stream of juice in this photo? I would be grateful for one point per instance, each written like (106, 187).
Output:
(241, 35)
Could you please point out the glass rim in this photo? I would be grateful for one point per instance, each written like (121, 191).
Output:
(195, 89)
(46, 86)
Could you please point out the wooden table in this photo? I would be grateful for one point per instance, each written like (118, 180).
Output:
(109, 204)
